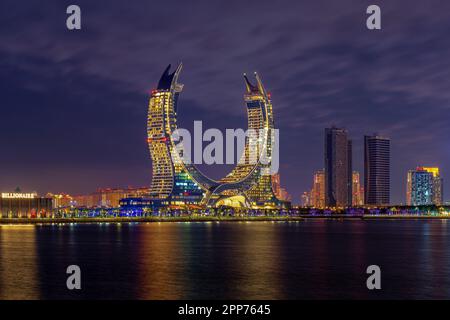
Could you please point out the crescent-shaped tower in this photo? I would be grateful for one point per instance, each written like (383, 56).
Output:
(178, 182)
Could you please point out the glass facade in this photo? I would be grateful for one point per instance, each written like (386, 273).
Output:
(377, 181)
(419, 188)
(424, 187)
(338, 168)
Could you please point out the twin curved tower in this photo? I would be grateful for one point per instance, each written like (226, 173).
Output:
(178, 182)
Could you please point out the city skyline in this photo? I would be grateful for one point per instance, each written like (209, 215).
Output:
(73, 113)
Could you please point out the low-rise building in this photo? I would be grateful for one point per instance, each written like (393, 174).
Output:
(24, 205)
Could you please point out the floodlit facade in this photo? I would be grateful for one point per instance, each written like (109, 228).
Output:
(358, 191)
(438, 185)
(424, 187)
(24, 205)
(318, 190)
(179, 182)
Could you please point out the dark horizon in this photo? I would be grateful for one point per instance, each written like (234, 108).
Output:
(74, 103)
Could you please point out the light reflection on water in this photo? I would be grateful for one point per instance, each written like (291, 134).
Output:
(18, 272)
(313, 259)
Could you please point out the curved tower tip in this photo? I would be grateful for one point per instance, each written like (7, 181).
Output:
(166, 80)
(261, 88)
(177, 73)
(250, 87)
(180, 66)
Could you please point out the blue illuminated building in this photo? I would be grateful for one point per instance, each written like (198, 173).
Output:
(419, 188)
(138, 207)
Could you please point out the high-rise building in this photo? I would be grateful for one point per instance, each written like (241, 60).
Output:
(318, 190)
(439, 191)
(377, 170)
(438, 185)
(350, 172)
(179, 182)
(424, 187)
(358, 191)
(306, 199)
(419, 188)
(338, 168)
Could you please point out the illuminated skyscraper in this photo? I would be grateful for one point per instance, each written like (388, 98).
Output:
(358, 191)
(438, 185)
(338, 168)
(419, 188)
(253, 177)
(424, 187)
(175, 181)
(377, 170)
(170, 179)
(318, 190)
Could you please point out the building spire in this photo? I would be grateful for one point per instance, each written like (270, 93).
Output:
(167, 79)
(250, 87)
(260, 85)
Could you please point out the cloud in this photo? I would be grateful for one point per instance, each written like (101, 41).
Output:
(85, 92)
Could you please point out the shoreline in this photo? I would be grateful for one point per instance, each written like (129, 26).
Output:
(8, 221)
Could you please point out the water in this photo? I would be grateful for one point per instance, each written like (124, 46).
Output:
(314, 259)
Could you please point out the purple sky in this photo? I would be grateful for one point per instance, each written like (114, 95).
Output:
(74, 103)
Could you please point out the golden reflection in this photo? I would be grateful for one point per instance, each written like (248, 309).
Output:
(18, 268)
(160, 262)
(257, 261)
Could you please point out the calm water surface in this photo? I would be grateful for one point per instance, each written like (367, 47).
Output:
(314, 259)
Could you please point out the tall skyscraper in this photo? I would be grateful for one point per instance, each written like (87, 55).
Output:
(350, 172)
(318, 190)
(338, 168)
(424, 187)
(377, 182)
(358, 191)
(179, 182)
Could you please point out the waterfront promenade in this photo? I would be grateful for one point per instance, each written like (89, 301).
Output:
(199, 218)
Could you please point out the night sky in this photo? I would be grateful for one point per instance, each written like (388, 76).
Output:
(74, 103)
